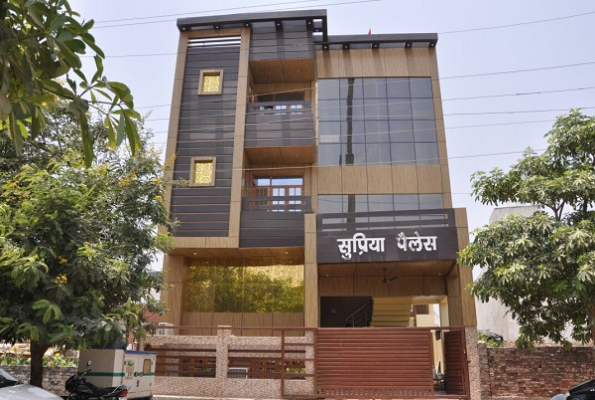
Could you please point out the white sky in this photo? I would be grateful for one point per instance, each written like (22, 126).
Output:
(481, 133)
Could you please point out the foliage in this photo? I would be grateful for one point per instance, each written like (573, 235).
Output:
(48, 361)
(41, 41)
(489, 341)
(76, 244)
(542, 267)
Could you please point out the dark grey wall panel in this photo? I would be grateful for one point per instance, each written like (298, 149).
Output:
(293, 41)
(271, 229)
(206, 129)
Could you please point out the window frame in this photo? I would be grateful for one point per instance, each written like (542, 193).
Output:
(202, 160)
(210, 72)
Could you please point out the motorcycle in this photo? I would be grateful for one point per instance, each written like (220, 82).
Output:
(79, 389)
(584, 391)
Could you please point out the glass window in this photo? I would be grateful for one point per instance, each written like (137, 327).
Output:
(278, 287)
(401, 130)
(397, 88)
(330, 129)
(429, 201)
(399, 109)
(426, 153)
(147, 366)
(402, 153)
(328, 89)
(406, 201)
(421, 87)
(358, 156)
(381, 202)
(425, 131)
(330, 154)
(397, 112)
(422, 108)
(330, 204)
(328, 110)
(357, 134)
(378, 154)
(377, 131)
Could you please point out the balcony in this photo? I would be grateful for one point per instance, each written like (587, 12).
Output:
(280, 133)
(273, 221)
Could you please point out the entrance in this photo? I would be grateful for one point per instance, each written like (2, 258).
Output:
(378, 363)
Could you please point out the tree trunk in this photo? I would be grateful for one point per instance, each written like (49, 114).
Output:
(37, 352)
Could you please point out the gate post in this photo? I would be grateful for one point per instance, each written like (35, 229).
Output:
(223, 335)
(473, 363)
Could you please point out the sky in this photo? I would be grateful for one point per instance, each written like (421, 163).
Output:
(507, 67)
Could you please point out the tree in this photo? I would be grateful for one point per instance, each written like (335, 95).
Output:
(76, 246)
(41, 41)
(542, 267)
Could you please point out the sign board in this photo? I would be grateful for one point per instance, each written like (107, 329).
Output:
(386, 245)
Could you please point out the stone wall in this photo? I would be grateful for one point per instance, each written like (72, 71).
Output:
(225, 345)
(510, 373)
(53, 377)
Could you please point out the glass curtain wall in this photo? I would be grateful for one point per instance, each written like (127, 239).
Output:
(376, 121)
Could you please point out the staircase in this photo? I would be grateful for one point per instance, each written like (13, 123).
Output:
(392, 311)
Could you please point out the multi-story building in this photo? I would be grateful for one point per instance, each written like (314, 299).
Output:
(318, 191)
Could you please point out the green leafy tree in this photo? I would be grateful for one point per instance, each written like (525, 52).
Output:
(542, 267)
(41, 43)
(76, 244)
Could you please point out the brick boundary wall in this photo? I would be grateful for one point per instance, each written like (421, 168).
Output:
(53, 377)
(538, 374)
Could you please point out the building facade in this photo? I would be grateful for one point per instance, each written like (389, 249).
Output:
(318, 191)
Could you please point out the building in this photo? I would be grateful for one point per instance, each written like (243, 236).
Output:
(318, 192)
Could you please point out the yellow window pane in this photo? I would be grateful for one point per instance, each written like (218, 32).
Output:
(210, 83)
(203, 172)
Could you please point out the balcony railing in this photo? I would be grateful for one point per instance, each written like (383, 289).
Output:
(283, 123)
(273, 221)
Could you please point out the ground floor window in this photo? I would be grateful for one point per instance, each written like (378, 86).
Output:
(249, 289)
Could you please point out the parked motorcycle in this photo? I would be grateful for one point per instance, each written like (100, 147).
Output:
(79, 389)
(584, 391)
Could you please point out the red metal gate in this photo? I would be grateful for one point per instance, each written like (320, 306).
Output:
(374, 363)
(455, 363)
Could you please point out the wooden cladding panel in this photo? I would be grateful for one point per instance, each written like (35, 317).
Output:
(329, 180)
(288, 319)
(311, 309)
(214, 319)
(429, 179)
(381, 62)
(369, 287)
(379, 180)
(405, 179)
(173, 277)
(419, 60)
(434, 285)
(337, 285)
(373, 359)
(268, 88)
(354, 179)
